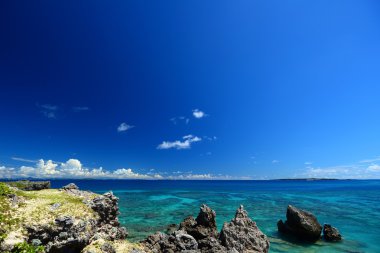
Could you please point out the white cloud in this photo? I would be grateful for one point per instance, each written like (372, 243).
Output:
(80, 108)
(73, 168)
(275, 161)
(308, 163)
(124, 127)
(374, 167)
(376, 159)
(49, 111)
(180, 119)
(20, 159)
(185, 144)
(353, 171)
(199, 114)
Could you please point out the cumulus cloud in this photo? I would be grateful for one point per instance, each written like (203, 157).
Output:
(199, 114)
(180, 144)
(124, 127)
(374, 167)
(73, 168)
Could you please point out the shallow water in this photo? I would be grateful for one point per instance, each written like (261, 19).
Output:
(351, 206)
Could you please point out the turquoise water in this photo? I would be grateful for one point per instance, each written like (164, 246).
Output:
(351, 206)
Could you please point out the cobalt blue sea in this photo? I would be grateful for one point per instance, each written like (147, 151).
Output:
(353, 206)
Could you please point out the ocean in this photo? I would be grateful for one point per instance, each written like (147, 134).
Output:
(353, 206)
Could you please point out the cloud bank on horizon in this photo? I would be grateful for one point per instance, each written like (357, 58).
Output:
(74, 169)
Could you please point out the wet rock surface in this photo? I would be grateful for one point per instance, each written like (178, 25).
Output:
(331, 234)
(301, 224)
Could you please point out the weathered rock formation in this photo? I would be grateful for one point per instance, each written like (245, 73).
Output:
(87, 217)
(243, 235)
(301, 224)
(27, 185)
(200, 235)
(331, 234)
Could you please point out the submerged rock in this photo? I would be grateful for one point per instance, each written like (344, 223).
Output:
(243, 235)
(301, 224)
(331, 233)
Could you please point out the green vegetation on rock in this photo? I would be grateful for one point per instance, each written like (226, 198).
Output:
(27, 248)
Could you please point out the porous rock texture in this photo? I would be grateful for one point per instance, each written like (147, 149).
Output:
(201, 235)
(331, 234)
(72, 232)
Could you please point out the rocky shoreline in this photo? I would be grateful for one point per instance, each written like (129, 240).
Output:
(69, 220)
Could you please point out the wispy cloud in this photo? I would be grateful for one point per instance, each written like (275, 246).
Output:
(275, 161)
(180, 119)
(80, 108)
(20, 159)
(308, 163)
(124, 127)
(376, 159)
(199, 114)
(364, 169)
(49, 111)
(183, 144)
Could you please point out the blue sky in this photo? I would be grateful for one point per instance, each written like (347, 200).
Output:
(190, 89)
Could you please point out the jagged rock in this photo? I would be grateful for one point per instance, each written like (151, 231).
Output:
(185, 241)
(27, 185)
(211, 245)
(331, 233)
(301, 224)
(204, 226)
(70, 186)
(171, 228)
(107, 208)
(65, 237)
(70, 235)
(65, 221)
(200, 235)
(243, 235)
(179, 241)
(107, 248)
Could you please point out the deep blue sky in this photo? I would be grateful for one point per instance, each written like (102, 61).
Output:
(289, 88)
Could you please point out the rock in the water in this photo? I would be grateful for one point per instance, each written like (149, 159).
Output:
(243, 235)
(70, 186)
(331, 233)
(200, 236)
(204, 226)
(301, 224)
